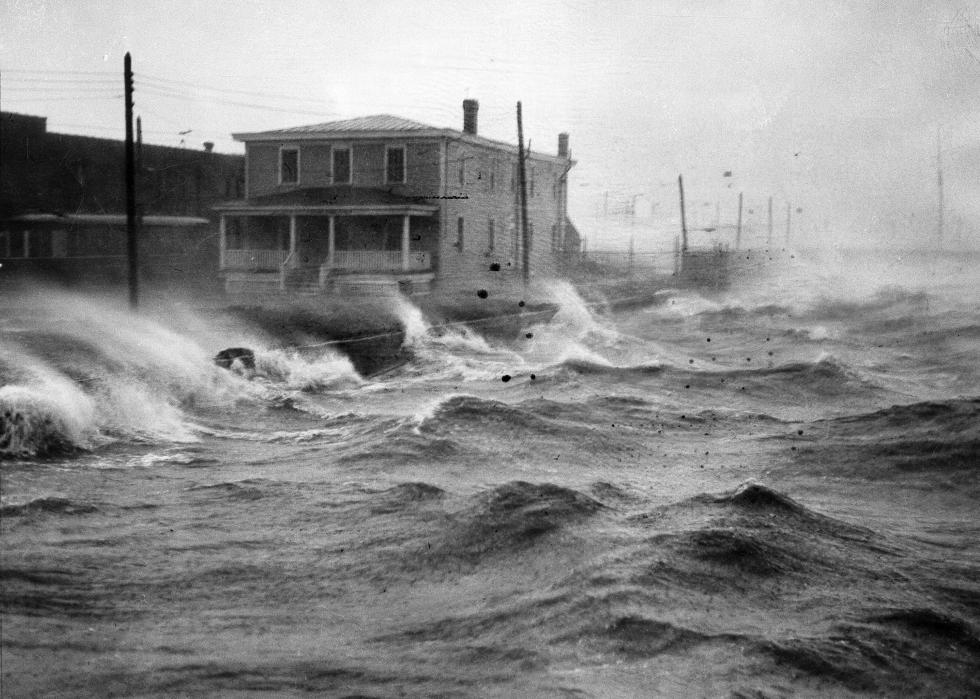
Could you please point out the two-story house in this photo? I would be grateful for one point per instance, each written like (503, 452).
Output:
(382, 200)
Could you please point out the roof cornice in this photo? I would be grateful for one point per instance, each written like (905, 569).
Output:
(405, 135)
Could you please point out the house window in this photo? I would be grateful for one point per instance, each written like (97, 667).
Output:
(462, 172)
(341, 159)
(493, 176)
(490, 234)
(532, 183)
(395, 164)
(459, 233)
(289, 166)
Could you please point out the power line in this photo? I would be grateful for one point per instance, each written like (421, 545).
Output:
(88, 88)
(73, 98)
(74, 81)
(158, 92)
(167, 83)
(58, 72)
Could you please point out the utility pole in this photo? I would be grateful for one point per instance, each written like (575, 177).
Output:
(139, 179)
(769, 237)
(787, 223)
(939, 174)
(522, 170)
(738, 228)
(132, 247)
(680, 185)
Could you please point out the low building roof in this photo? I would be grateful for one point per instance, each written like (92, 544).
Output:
(107, 220)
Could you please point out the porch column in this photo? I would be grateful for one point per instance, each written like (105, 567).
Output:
(292, 241)
(331, 240)
(222, 241)
(406, 230)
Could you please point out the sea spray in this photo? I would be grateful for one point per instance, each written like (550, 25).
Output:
(412, 319)
(326, 370)
(50, 415)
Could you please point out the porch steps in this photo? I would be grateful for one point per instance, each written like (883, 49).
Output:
(303, 280)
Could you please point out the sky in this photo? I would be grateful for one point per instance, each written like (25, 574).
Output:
(840, 111)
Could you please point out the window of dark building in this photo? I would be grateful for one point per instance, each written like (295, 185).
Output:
(490, 234)
(59, 243)
(288, 166)
(462, 171)
(531, 185)
(341, 165)
(493, 176)
(459, 233)
(395, 164)
(16, 244)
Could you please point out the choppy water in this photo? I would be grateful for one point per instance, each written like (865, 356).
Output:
(769, 492)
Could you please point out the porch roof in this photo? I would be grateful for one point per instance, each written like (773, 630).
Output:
(339, 199)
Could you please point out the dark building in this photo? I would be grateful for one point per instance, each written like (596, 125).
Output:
(63, 206)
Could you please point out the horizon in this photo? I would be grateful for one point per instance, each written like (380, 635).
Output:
(842, 111)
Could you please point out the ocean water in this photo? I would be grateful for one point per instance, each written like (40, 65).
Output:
(769, 491)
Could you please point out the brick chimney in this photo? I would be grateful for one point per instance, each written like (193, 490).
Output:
(470, 108)
(563, 145)
(208, 146)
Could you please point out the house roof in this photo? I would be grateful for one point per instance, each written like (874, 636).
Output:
(375, 122)
(337, 199)
(380, 126)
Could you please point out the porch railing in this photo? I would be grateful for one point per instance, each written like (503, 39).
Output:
(255, 260)
(379, 261)
(344, 261)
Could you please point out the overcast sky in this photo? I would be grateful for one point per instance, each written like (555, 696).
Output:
(832, 106)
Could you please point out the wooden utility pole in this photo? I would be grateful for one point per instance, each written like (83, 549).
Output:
(522, 171)
(138, 179)
(769, 237)
(132, 248)
(738, 228)
(787, 222)
(680, 185)
(939, 174)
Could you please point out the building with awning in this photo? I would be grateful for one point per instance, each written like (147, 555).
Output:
(62, 204)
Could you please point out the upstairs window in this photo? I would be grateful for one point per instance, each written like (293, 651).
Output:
(341, 159)
(459, 233)
(289, 166)
(395, 164)
(490, 234)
